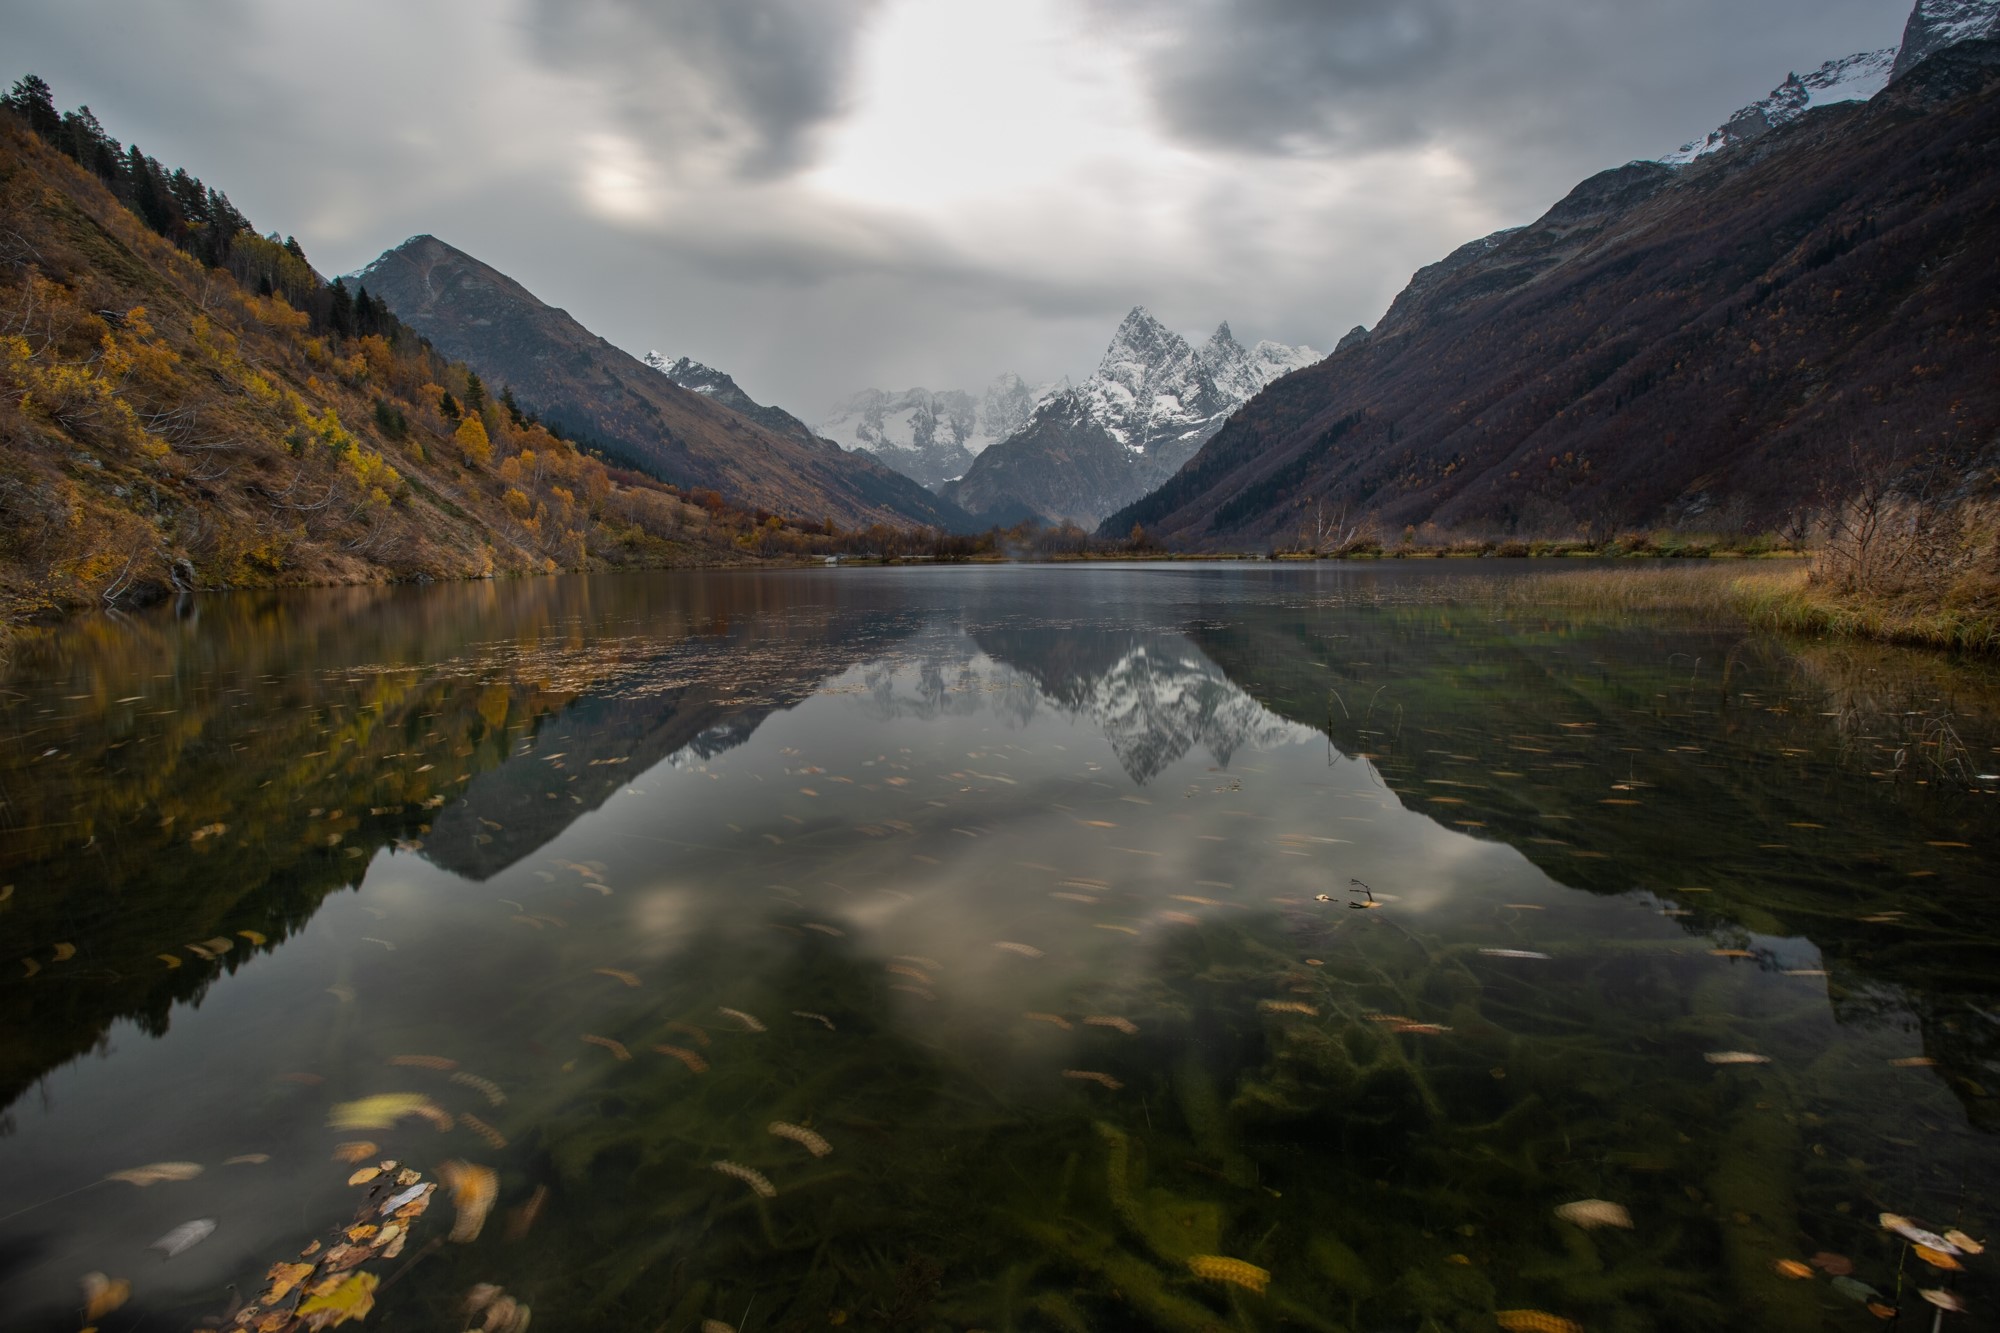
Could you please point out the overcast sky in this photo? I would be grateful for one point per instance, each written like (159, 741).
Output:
(825, 195)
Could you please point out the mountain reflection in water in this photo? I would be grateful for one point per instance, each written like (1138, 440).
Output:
(758, 791)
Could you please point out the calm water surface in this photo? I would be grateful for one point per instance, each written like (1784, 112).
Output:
(1105, 923)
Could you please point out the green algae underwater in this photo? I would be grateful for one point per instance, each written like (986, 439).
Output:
(1145, 948)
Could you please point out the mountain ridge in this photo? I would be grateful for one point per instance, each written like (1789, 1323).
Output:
(636, 415)
(1666, 343)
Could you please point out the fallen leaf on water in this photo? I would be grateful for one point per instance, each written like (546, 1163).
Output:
(102, 1295)
(32, 966)
(381, 1111)
(1736, 1058)
(1881, 1311)
(1217, 1268)
(473, 1190)
(438, 1062)
(687, 1057)
(364, 1175)
(1792, 1268)
(1092, 1076)
(1833, 1265)
(1113, 1021)
(254, 936)
(617, 1048)
(520, 1220)
(185, 1237)
(749, 1024)
(1535, 1321)
(1054, 1020)
(338, 1300)
(1588, 1213)
(1943, 1300)
(756, 1180)
(169, 959)
(492, 1137)
(283, 1277)
(64, 952)
(1965, 1243)
(802, 1136)
(1915, 1234)
(143, 1176)
(1913, 1062)
(1937, 1258)
(355, 1150)
(1011, 946)
(618, 974)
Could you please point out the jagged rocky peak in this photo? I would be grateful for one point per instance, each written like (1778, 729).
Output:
(1933, 26)
(690, 374)
(1854, 78)
(1354, 337)
(1936, 24)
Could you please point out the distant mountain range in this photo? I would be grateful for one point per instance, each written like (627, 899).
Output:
(1091, 447)
(634, 414)
(933, 437)
(1804, 296)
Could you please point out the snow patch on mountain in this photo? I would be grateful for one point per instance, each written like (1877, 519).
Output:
(1854, 78)
(1935, 24)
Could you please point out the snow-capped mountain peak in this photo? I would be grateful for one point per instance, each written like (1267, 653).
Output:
(1932, 26)
(932, 436)
(1854, 78)
(1935, 24)
(689, 373)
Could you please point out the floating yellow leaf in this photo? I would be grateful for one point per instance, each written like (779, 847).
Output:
(617, 1048)
(1965, 1243)
(338, 1300)
(169, 959)
(1937, 1258)
(64, 952)
(1792, 1268)
(102, 1295)
(283, 1277)
(1535, 1321)
(143, 1176)
(1217, 1268)
(473, 1190)
(364, 1175)
(355, 1150)
(254, 936)
(381, 1111)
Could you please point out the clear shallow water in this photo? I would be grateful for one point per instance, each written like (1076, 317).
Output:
(925, 826)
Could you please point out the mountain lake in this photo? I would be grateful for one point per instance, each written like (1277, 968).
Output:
(1238, 946)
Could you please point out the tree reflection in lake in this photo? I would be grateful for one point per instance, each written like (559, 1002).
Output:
(624, 809)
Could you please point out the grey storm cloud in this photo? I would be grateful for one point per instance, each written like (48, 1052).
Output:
(1293, 162)
(745, 80)
(1305, 76)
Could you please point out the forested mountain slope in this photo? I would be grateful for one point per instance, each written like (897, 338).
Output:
(185, 403)
(1715, 343)
(636, 415)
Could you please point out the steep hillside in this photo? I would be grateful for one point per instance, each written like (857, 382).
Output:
(722, 387)
(633, 413)
(164, 425)
(1716, 343)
